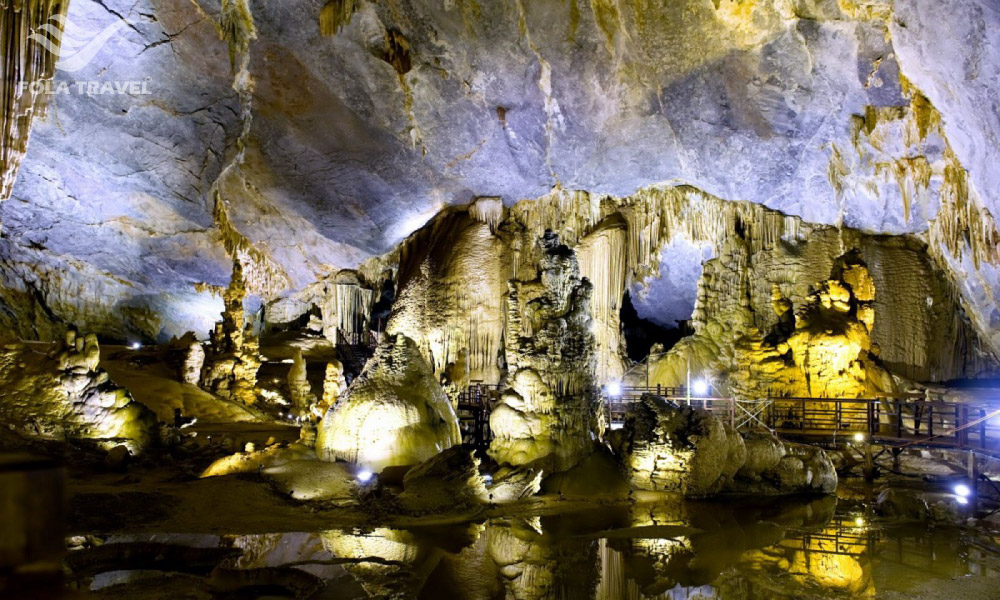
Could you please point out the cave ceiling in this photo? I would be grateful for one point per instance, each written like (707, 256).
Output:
(326, 145)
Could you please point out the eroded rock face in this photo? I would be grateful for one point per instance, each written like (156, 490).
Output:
(66, 395)
(691, 452)
(395, 413)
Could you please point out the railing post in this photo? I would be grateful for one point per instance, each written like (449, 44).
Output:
(899, 418)
(930, 421)
(982, 428)
(958, 426)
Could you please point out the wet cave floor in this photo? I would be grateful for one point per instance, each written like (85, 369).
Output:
(160, 533)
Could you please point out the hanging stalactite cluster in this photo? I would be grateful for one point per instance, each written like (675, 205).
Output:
(24, 63)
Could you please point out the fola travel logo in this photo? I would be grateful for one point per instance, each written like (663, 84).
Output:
(75, 48)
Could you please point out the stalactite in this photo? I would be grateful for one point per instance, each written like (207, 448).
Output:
(346, 305)
(237, 28)
(25, 63)
(336, 15)
(262, 276)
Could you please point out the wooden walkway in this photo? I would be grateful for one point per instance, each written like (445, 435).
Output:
(897, 421)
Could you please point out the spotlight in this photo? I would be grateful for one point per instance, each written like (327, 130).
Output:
(700, 387)
(614, 389)
(859, 437)
(962, 491)
(488, 479)
(135, 345)
(859, 522)
(364, 476)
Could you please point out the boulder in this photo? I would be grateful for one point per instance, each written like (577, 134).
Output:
(395, 413)
(774, 466)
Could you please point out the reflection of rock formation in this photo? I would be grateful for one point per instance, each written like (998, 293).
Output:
(694, 543)
(395, 412)
(67, 396)
(549, 410)
(387, 563)
(691, 452)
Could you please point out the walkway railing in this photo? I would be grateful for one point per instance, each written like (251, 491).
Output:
(905, 419)
(901, 420)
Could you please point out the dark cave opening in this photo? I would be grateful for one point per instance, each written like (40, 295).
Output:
(641, 334)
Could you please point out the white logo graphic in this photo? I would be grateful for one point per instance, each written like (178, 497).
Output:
(74, 46)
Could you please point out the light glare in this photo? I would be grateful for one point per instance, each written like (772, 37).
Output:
(614, 389)
(701, 387)
(364, 476)
(962, 490)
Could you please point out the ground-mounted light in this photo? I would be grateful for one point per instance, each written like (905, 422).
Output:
(364, 476)
(135, 345)
(962, 491)
(700, 387)
(614, 389)
(859, 437)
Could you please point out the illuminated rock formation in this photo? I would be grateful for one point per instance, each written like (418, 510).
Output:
(776, 467)
(334, 386)
(676, 449)
(395, 412)
(230, 369)
(194, 361)
(65, 395)
(452, 280)
(548, 413)
(691, 452)
(298, 385)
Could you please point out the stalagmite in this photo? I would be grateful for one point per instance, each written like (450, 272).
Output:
(334, 386)
(194, 361)
(394, 414)
(298, 385)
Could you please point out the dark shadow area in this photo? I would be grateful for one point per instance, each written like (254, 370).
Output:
(640, 334)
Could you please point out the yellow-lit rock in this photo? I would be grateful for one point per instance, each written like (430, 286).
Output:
(395, 412)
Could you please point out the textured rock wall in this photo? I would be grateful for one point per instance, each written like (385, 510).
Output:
(321, 134)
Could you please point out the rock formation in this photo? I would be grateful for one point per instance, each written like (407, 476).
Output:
(334, 386)
(691, 452)
(230, 369)
(548, 414)
(299, 389)
(395, 413)
(448, 481)
(66, 395)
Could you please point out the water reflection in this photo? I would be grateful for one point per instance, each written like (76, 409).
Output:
(789, 548)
